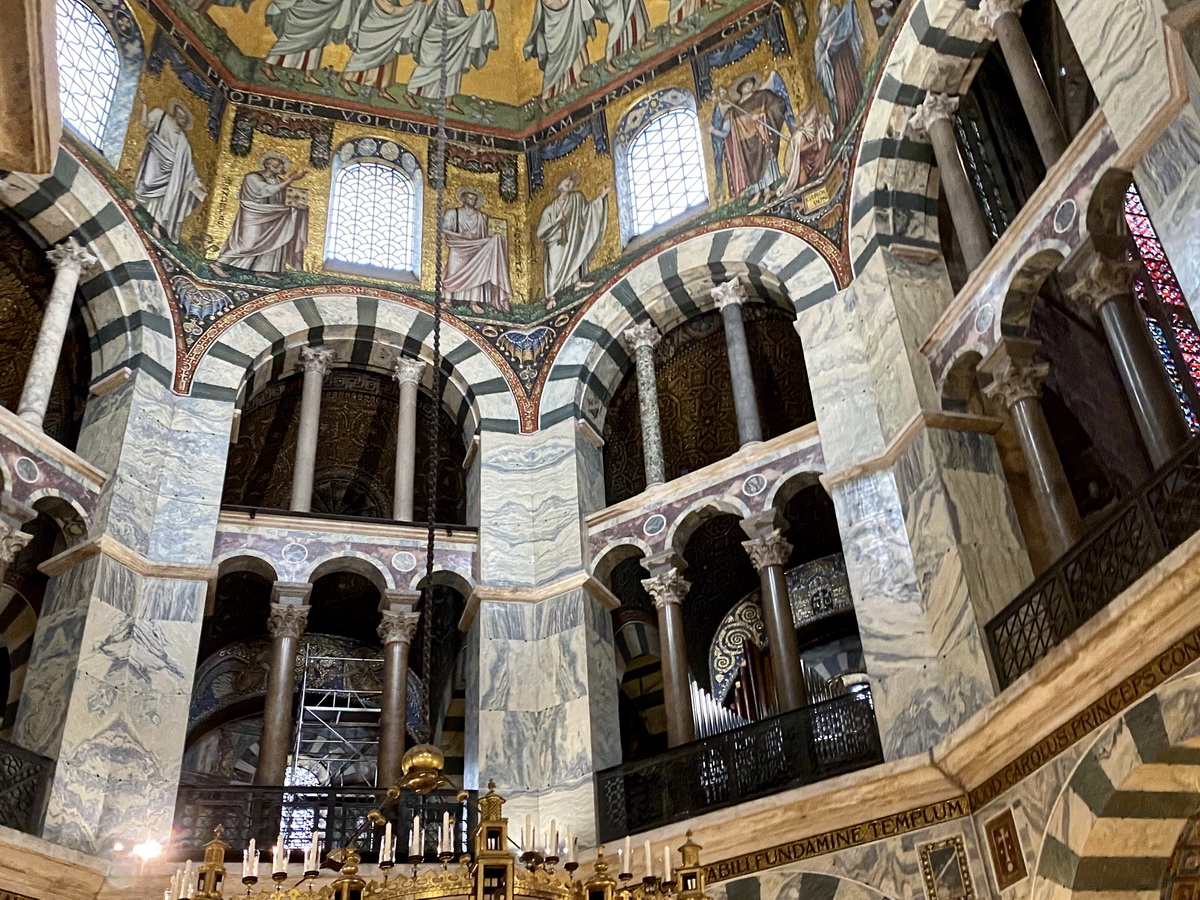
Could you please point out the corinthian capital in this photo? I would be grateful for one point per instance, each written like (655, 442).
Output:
(729, 292)
(1101, 281)
(772, 549)
(408, 370)
(934, 108)
(287, 620)
(69, 255)
(316, 359)
(399, 626)
(643, 334)
(1014, 381)
(667, 588)
(990, 11)
(12, 542)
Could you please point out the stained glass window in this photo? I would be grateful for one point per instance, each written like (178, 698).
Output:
(88, 66)
(372, 218)
(1162, 300)
(666, 170)
(299, 819)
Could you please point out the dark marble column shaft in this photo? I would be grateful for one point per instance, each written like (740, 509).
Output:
(668, 589)
(285, 623)
(730, 297)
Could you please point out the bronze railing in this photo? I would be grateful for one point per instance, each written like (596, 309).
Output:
(264, 813)
(1132, 537)
(24, 785)
(787, 751)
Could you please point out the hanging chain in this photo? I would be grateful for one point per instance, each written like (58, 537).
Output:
(438, 169)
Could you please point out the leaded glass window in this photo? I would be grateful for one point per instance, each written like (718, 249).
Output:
(1162, 301)
(372, 218)
(88, 67)
(666, 170)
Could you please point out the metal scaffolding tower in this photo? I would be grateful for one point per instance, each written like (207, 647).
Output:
(337, 720)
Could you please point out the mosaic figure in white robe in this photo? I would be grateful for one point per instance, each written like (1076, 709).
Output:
(303, 29)
(477, 262)
(167, 184)
(682, 10)
(570, 229)
(628, 26)
(268, 235)
(558, 41)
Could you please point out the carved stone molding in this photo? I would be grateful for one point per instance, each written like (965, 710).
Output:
(1013, 382)
(70, 255)
(398, 626)
(771, 549)
(1102, 279)
(643, 334)
(670, 587)
(287, 620)
(934, 108)
(408, 370)
(990, 11)
(729, 292)
(316, 359)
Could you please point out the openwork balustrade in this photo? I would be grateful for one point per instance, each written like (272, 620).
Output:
(24, 781)
(1135, 535)
(787, 751)
(337, 814)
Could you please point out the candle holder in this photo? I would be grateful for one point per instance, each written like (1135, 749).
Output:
(415, 861)
(550, 863)
(386, 866)
(571, 868)
(446, 858)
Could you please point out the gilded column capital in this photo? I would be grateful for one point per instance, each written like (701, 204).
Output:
(316, 359)
(408, 370)
(1100, 281)
(70, 255)
(936, 107)
(642, 334)
(287, 620)
(1014, 381)
(771, 549)
(729, 292)
(399, 626)
(12, 542)
(668, 588)
(990, 11)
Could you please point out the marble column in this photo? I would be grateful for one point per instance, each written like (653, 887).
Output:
(729, 298)
(408, 373)
(642, 338)
(316, 362)
(396, 631)
(1016, 381)
(13, 514)
(668, 589)
(1105, 288)
(1002, 18)
(289, 614)
(769, 551)
(70, 261)
(935, 117)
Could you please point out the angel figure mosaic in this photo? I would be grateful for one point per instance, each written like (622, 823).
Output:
(167, 184)
(747, 130)
(270, 230)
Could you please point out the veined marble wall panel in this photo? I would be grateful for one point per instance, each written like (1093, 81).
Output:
(927, 667)
(531, 529)
(547, 703)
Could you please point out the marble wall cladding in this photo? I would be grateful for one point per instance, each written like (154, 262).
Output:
(111, 670)
(920, 642)
(547, 701)
(531, 526)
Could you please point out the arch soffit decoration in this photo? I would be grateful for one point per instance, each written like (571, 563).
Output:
(128, 318)
(792, 267)
(244, 559)
(230, 354)
(1148, 733)
(352, 561)
(696, 514)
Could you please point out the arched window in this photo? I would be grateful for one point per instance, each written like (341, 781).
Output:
(88, 68)
(375, 211)
(660, 166)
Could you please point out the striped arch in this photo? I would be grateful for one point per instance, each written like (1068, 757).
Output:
(1117, 820)
(18, 622)
(124, 306)
(788, 881)
(895, 189)
(788, 270)
(364, 330)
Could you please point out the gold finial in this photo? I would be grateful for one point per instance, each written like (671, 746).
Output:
(219, 832)
(423, 766)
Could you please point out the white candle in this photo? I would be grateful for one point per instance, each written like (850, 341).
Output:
(280, 860)
(667, 863)
(316, 853)
(252, 854)
(176, 879)
(621, 862)
(417, 845)
(570, 845)
(387, 853)
(647, 859)
(187, 891)
(627, 856)
(527, 833)
(444, 841)
(552, 839)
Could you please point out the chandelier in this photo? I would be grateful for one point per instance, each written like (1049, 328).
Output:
(497, 872)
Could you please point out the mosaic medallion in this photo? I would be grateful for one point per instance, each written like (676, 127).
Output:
(655, 525)
(404, 561)
(294, 553)
(754, 485)
(27, 470)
